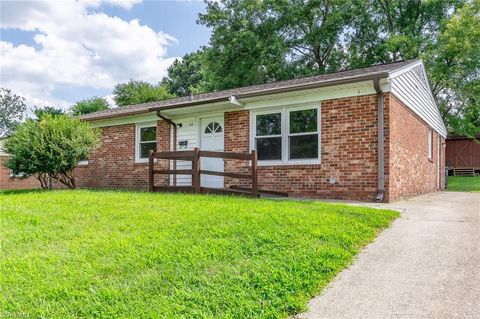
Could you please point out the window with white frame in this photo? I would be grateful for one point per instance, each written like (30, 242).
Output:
(146, 140)
(268, 136)
(430, 144)
(287, 135)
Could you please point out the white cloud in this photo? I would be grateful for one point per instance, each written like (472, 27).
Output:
(126, 4)
(76, 45)
(110, 100)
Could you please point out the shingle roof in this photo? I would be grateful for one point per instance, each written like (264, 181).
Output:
(346, 76)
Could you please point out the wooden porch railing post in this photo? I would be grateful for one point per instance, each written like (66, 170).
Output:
(150, 171)
(254, 174)
(196, 170)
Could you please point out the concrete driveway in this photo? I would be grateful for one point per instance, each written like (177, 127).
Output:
(426, 265)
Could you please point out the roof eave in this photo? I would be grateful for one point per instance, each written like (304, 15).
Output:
(108, 116)
(275, 91)
(298, 87)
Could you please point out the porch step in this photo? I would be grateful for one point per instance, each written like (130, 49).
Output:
(463, 172)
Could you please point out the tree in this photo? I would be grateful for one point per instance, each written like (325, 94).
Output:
(50, 147)
(94, 104)
(40, 112)
(453, 62)
(467, 121)
(185, 75)
(12, 109)
(135, 92)
(245, 47)
(254, 42)
(392, 30)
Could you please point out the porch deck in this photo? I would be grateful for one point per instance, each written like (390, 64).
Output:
(196, 172)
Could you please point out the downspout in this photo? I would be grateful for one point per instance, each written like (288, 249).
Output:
(169, 121)
(380, 142)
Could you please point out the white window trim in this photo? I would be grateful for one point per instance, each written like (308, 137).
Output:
(19, 175)
(430, 143)
(285, 133)
(137, 140)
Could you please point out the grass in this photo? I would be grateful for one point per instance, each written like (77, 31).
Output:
(112, 254)
(463, 184)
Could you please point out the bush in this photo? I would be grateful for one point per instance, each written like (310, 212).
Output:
(50, 147)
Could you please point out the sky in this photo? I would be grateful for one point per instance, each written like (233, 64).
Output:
(59, 52)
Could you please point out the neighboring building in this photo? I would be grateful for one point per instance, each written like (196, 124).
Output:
(463, 155)
(10, 181)
(316, 137)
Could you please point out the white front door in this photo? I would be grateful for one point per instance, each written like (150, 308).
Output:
(211, 139)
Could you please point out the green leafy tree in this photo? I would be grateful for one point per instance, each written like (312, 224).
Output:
(94, 104)
(312, 32)
(40, 112)
(135, 92)
(185, 75)
(50, 147)
(245, 46)
(12, 110)
(392, 30)
(255, 42)
(453, 62)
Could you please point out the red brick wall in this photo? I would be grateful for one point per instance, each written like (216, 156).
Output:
(411, 172)
(237, 131)
(112, 165)
(348, 153)
(7, 182)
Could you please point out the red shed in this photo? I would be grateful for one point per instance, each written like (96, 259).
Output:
(463, 155)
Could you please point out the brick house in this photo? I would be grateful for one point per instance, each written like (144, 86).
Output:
(9, 181)
(366, 134)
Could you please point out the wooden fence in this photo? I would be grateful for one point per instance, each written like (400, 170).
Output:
(196, 172)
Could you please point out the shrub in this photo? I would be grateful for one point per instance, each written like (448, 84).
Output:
(50, 147)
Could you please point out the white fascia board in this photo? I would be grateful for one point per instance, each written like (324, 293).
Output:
(404, 69)
(129, 119)
(311, 96)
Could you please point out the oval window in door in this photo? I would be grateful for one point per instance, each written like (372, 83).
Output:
(213, 127)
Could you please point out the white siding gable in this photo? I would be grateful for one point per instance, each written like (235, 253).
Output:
(411, 86)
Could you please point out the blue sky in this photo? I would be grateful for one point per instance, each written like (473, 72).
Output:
(57, 53)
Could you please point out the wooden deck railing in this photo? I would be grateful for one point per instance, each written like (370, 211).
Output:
(196, 172)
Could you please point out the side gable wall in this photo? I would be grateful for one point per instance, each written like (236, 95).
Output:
(409, 170)
(412, 89)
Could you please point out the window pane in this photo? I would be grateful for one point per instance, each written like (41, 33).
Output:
(213, 127)
(269, 148)
(304, 146)
(303, 121)
(145, 147)
(269, 124)
(148, 134)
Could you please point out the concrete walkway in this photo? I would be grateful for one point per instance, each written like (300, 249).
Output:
(426, 265)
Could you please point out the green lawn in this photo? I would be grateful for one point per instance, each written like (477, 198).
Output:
(108, 254)
(463, 184)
